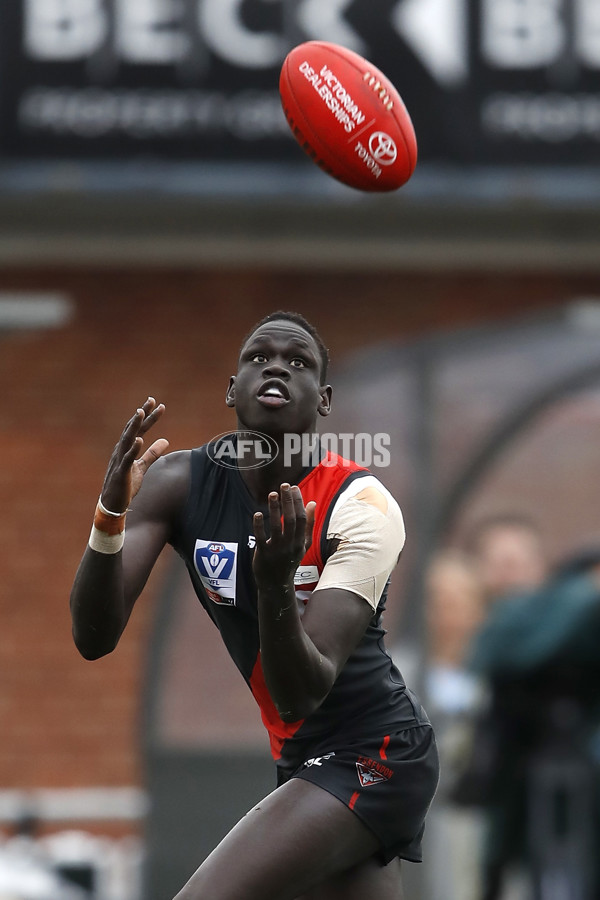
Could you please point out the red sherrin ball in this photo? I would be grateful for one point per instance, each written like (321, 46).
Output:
(348, 117)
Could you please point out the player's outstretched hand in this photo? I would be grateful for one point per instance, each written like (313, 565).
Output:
(127, 467)
(291, 524)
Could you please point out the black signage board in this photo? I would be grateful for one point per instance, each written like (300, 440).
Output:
(486, 81)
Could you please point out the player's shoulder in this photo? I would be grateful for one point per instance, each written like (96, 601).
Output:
(368, 487)
(367, 514)
(165, 486)
(174, 466)
(183, 471)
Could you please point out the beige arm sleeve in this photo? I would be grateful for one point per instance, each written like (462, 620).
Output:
(370, 544)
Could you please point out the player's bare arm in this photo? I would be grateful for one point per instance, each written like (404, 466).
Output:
(108, 582)
(301, 658)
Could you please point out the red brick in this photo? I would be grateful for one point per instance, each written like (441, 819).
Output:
(66, 394)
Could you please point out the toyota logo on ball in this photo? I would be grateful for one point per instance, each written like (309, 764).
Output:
(383, 149)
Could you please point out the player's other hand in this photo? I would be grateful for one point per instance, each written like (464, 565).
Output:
(291, 525)
(128, 464)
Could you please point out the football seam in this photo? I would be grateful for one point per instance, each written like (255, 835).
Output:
(340, 160)
(333, 50)
(373, 71)
(333, 153)
(296, 130)
(305, 146)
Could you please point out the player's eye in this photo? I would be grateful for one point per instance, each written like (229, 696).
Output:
(258, 357)
(298, 362)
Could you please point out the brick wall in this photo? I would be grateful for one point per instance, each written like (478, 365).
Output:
(67, 722)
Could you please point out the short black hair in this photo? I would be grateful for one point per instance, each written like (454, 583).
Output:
(297, 319)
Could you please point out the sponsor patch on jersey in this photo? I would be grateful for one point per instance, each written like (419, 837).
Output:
(306, 577)
(372, 772)
(216, 565)
(305, 581)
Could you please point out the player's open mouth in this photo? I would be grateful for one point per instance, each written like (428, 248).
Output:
(273, 394)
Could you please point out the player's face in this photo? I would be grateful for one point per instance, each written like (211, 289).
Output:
(278, 386)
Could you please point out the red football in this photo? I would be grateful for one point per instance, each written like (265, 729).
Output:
(348, 116)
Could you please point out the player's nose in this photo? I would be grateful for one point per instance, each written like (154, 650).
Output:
(276, 368)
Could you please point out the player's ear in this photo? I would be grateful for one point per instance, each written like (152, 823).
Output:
(230, 395)
(324, 407)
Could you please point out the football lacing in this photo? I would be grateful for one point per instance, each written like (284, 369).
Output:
(377, 86)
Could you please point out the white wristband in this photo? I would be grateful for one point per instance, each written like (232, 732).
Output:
(108, 512)
(105, 543)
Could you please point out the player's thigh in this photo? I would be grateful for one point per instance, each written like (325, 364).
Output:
(293, 840)
(362, 882)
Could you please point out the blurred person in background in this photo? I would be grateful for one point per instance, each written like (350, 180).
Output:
(539, 737)
(508, 551)
(454, 610)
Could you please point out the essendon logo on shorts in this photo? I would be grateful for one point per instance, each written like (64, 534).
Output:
(372, 772)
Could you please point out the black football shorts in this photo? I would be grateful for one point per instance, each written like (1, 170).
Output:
(388, 781)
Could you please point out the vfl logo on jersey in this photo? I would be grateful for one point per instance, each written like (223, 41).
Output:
(216, 565)
(372, 772)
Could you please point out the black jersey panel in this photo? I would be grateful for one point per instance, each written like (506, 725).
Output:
(214, 536)
(215, 539)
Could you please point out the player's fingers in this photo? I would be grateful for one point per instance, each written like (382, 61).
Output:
(299, 515)
(152, 413)
(144, 417)
(154, 452)
(129, 456)
(129, 434)
(310, 523)
(135, 421)
(274, 515)
(288, 510)
(258, 524)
